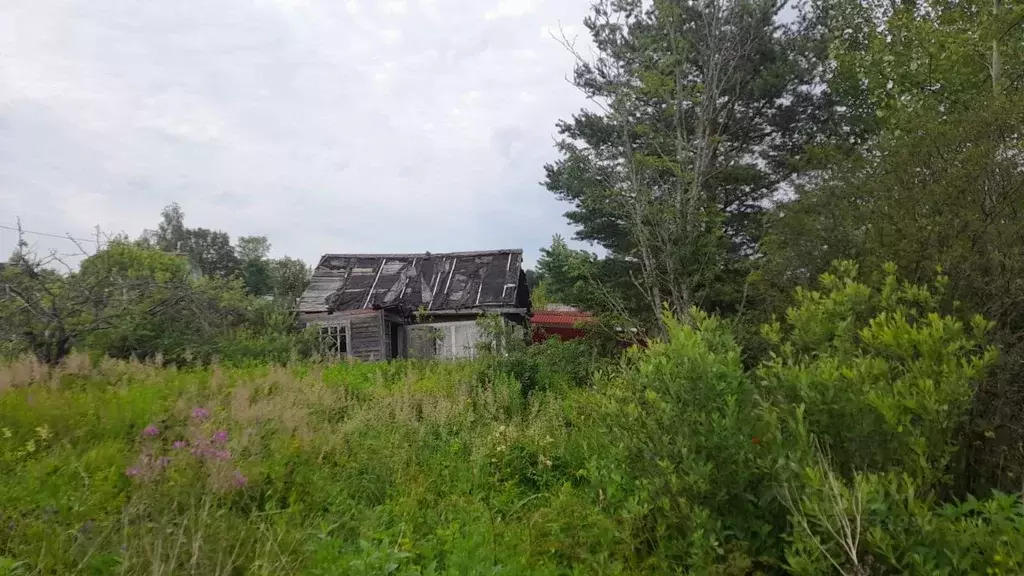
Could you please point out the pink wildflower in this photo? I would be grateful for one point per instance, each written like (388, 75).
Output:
(150, 431)
(132, 472)
(200, 413)
(163, 462)
(178, 444)
(240, 480)
(220, 437)
(221, 454)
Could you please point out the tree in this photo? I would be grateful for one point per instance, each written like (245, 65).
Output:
(533, 278)
(252, 252)
(289, 278)
(171, 232)
(935, 181)
(210, 250)
(48, 312)
(251, 248)
(39, 311)
(566, 274)
(702, 107)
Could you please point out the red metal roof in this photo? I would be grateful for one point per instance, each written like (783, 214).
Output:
(558, 318)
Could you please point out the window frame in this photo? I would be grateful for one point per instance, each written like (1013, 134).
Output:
(341, 329)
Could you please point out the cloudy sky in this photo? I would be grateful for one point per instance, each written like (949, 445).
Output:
(327, 125)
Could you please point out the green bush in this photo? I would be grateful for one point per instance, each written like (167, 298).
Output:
(547, 366)
(833, 455)
(672, 451)
(877, 376)
(851, 420)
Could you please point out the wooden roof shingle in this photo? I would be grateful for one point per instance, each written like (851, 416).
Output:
(455, 281)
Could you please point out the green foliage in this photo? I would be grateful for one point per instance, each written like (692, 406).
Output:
(37, 311)
(552, 365)
(878, 376)
(48, 312)
(405, 467)
(144, 300)
(567, 274)
(829, 457)
(672, 454)
(704, 109)
(211, 252)
(288, 278)
(152, 308)
(880, 523)
(924, 173)
(832, 454)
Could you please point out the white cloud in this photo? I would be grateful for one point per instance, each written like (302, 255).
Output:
(396, 7)
(391, 35)
(314, 122)
(512, 9)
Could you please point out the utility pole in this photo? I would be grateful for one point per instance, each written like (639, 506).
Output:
(21, 241)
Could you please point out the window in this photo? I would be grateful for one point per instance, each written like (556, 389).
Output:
(333, 341)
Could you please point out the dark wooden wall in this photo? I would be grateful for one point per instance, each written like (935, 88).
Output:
(367, 338)
(365, 332)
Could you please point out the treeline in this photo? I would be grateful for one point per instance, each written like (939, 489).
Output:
(183, 295)
(733, 152)
(213, 255)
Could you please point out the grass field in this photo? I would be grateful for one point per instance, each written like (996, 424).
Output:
(347, 469)
(834, 455)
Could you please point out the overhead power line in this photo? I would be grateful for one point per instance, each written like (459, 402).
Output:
(61, 236)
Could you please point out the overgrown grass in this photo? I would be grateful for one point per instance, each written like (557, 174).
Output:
(344, 469)
(833, 455)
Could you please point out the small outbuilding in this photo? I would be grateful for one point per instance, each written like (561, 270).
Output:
(383, 306)
(559, 321)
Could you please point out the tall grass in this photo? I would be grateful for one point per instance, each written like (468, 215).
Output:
(833, 455)
(132, 468)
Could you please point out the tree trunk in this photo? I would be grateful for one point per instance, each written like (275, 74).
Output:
(997, 64)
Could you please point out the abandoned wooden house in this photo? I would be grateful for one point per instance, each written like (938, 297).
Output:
(383, 306)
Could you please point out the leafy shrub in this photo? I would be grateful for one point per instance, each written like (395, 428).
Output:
(550, 365)
(850, 421)
(674, 452)
(883, 524)
(878, 376)
(831, 456)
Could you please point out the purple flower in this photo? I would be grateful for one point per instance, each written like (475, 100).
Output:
(240, 480)
(163, 462)
(220, 437)
(150, 431)
(200, 413)
(221, 454)
(179, 444)
(132, 472)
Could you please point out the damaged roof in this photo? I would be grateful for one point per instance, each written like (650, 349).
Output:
(456, 281)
